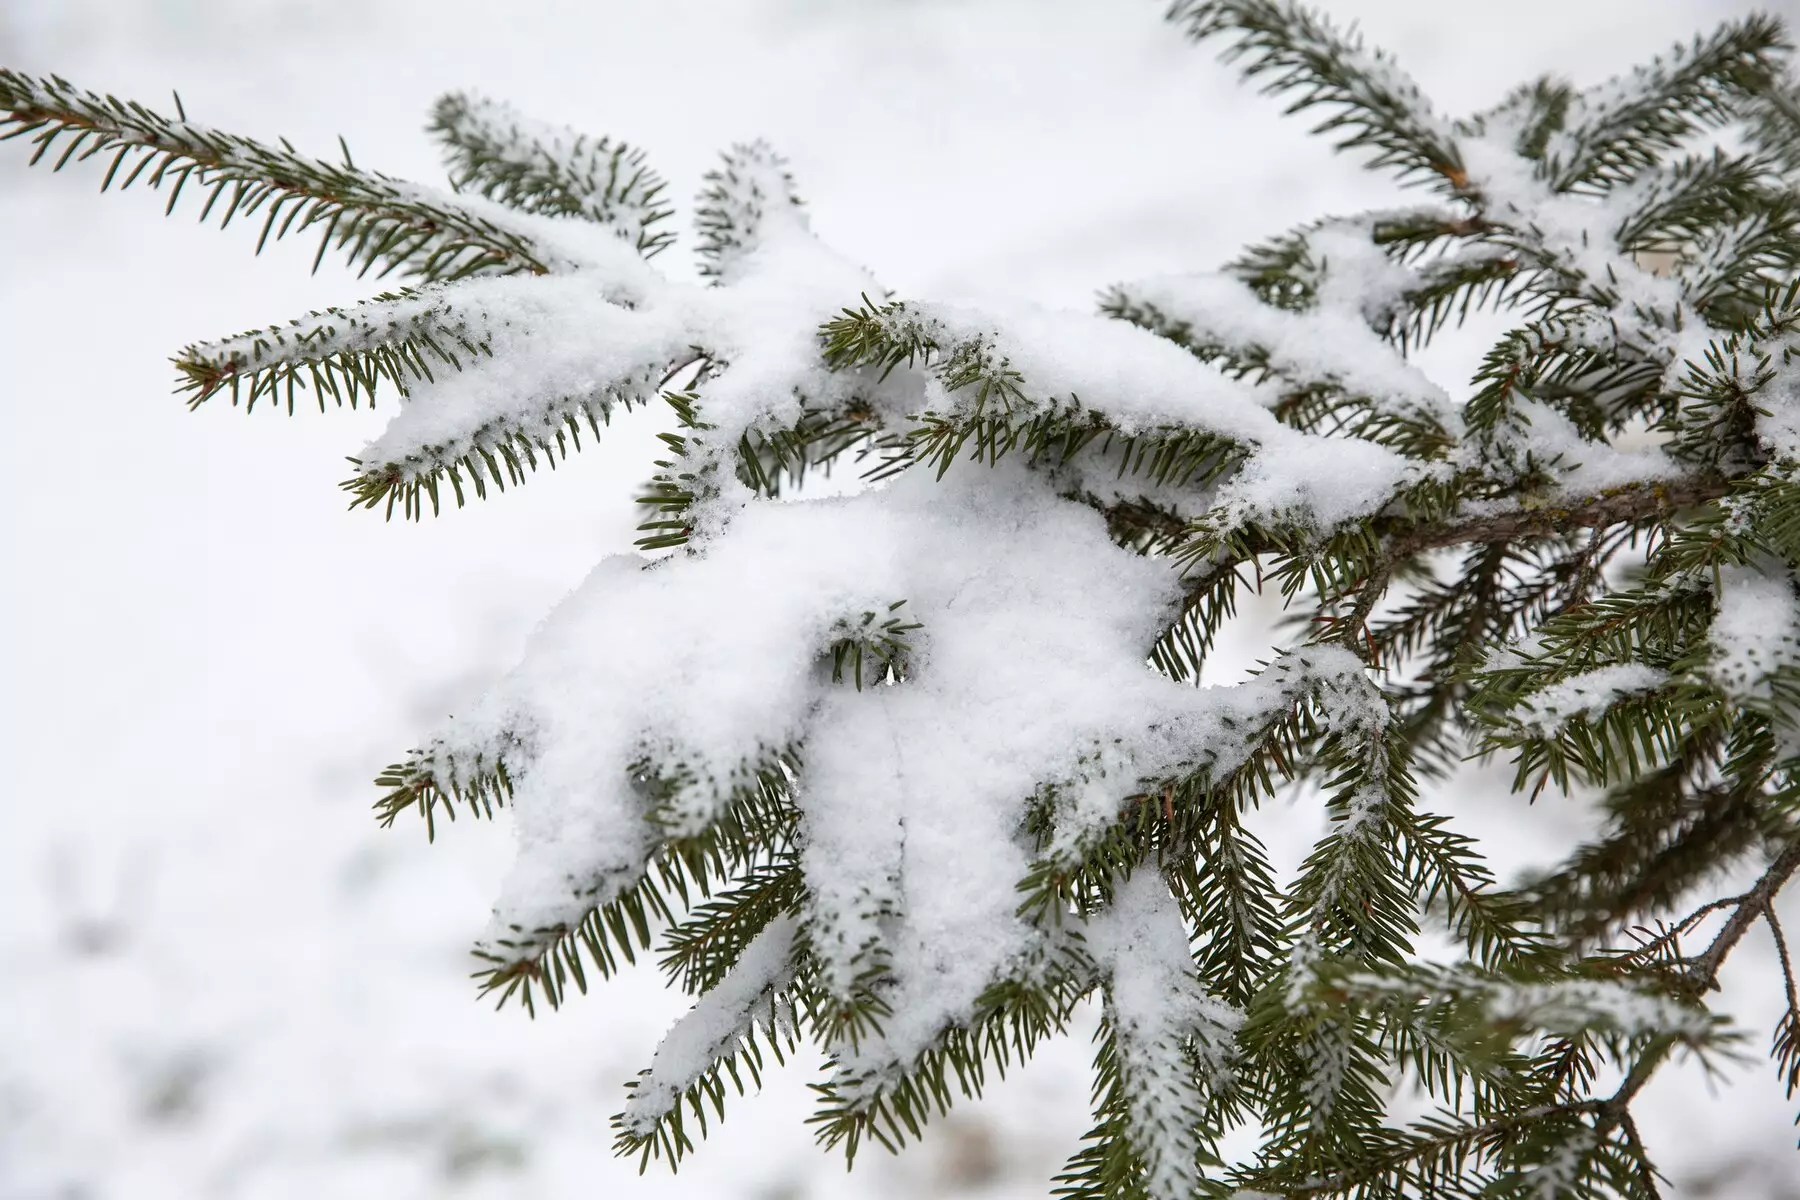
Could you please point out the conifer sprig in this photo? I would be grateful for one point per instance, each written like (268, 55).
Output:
(497, 152)
(343, 355)
(1618, 129)
(380, 224)
(1370, 102)
(746, 198)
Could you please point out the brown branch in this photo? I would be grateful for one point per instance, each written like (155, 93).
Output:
(1701, 977)
(1614, 1110)
(1787, 961)
(1645, 1172)
(1402, 539)
(1618, 506)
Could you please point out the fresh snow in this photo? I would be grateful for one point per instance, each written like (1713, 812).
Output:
(1586, 695)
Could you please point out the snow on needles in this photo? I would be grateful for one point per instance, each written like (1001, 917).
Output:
(1755, 634)
(1328, 343)
(1141, 382)
(716, 1025)
(1172, 1039)
(655, 693)
(1586, 695)
(1027, 719)
(911, 796)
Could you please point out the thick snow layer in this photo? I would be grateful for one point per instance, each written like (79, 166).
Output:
(911, 797)
(716, 1026)
(1172, 1038)
(1755, 633)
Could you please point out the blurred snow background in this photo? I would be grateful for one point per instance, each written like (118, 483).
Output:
(219, 978)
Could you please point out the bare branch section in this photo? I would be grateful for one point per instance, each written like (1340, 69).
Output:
(1627, 505)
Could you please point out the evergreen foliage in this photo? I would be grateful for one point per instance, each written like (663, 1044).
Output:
(911, 775)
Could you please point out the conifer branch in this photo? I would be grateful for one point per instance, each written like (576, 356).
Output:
(1526, 573)
(494, 453)
(722, 1036)
(747, 199)
(377, 221)
(1371, 102)
(1621, 127)
(495, 151)
(340, 354)
(1702, 975)
(431, 780)
(1626, 505)
(1774, 121)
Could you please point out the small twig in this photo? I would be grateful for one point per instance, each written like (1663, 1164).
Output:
(1672, 935)
(678, 368)
(1645, 1172)
(1371, 592)
(1787, 962)
(1703, 976)
(1587, 569)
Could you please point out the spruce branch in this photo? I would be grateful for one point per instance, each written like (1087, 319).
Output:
(495, 151)
(747, 199)
(724, 1035)
(1619, 128)
(1697, 977)
(1626, 505)
(1010, 1019)
(1773, 126)
(493, 454)
(1592, 566)
(1668, 831)
(1786, 1047)
(747, 844)
(380, 223)
(340, 354)
(431, 780)
(1702, 974)
(1370, 102)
